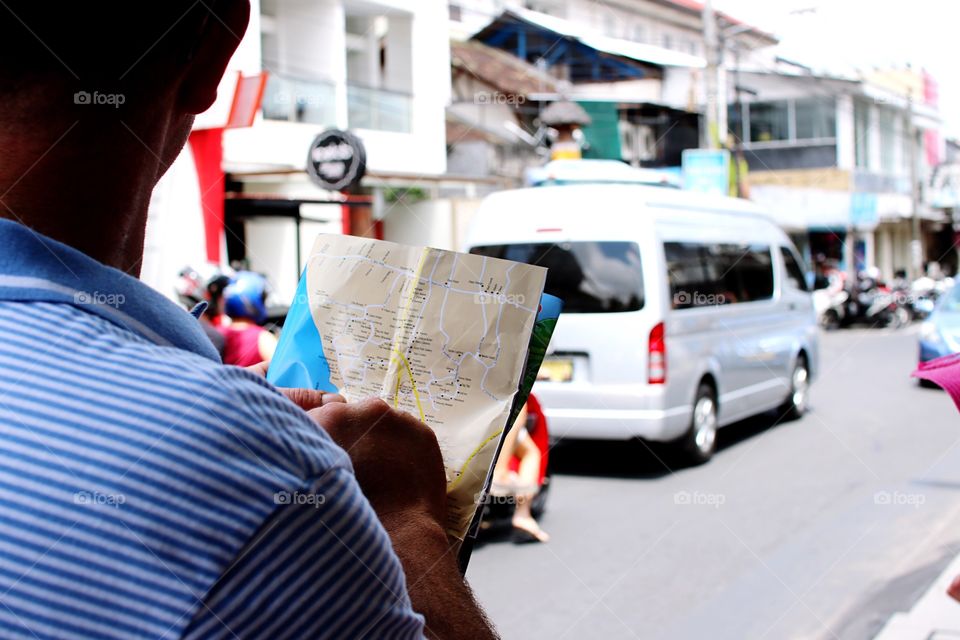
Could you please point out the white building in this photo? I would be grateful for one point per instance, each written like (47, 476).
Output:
(380, 68)
(830, 159)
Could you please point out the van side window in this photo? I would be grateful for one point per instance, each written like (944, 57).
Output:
(754, 268)
(795, 273)
(691, 282)
(703, 275)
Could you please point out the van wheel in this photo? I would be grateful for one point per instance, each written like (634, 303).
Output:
(796, 403)
(700, 441)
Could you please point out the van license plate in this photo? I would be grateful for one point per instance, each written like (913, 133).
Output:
(556, 370)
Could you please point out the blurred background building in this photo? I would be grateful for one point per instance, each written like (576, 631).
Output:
(446, 98)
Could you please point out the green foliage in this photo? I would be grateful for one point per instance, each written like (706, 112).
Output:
(403, 194)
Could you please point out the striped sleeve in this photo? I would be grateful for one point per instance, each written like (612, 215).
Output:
(321, 566)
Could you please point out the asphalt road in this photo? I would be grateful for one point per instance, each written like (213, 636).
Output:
(820, 528)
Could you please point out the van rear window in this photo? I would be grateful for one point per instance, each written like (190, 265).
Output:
(590, 277)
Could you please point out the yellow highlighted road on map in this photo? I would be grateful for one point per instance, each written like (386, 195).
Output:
(396, 343)
(413, 385)
(472, 455)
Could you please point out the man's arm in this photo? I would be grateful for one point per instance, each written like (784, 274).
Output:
(320, 566)
(398, 464)
(434, 583)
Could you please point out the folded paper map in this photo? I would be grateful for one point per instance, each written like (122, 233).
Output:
(441, 335)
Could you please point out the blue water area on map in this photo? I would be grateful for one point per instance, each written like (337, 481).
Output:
(299, 360)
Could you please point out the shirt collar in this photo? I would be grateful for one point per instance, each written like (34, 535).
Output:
(36, 268)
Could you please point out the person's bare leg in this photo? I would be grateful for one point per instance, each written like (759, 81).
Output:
(528, 475)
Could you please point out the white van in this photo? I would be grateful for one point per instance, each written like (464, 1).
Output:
(682, 312)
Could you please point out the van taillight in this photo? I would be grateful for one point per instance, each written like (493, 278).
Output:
(657, 356)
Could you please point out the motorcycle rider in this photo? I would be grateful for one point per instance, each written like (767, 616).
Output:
(246, 341)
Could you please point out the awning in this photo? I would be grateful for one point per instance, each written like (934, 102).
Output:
(526, 24)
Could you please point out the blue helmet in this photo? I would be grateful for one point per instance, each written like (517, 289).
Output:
(244, 297)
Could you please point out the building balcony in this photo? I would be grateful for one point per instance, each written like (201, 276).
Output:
(378, 109)
(291, 99)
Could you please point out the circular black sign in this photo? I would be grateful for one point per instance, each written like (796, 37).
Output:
(337, 160)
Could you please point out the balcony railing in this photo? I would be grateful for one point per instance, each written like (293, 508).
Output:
(299, 100)
(294, 99)
(378, 109)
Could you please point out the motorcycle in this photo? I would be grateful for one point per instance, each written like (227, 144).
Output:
(877, 305)
(924, 293)
(829, 301)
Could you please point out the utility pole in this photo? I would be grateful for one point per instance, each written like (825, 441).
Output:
(916, 243)
(738, 140)
(710, 137)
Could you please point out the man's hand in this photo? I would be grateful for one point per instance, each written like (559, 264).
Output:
(398, 465)
(306, 399)
(396, 458)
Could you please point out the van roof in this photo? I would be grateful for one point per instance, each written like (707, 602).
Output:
(595, 209)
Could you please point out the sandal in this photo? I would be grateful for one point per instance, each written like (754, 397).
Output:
(527, 530)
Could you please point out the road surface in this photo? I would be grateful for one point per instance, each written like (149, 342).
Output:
(820, 528)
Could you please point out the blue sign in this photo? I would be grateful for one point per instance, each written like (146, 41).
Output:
(863, 209)
(706, 170)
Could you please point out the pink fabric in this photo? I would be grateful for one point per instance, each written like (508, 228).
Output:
(242, 346)
(945, 372)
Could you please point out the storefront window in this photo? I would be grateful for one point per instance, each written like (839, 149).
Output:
(888, 141)
(786, 120)
(769, 121)
(861, 123)
(816, 118)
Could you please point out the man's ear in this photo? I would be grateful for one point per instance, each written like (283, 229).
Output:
(222, 30)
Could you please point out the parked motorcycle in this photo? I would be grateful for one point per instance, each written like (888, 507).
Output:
(829, 300)
(875, 304)
(924, 293)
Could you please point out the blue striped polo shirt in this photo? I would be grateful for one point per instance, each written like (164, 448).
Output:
(148, 491)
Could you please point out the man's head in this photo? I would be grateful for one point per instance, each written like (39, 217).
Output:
(98, 91)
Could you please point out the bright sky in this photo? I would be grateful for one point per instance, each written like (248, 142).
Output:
(867, 33)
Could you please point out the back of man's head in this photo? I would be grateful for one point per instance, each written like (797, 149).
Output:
(98, 99)
(107, 41)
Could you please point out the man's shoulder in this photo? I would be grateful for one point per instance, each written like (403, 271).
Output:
(167, 392)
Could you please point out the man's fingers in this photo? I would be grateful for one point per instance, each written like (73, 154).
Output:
(306, 399)
(309, 399)
(259, 369)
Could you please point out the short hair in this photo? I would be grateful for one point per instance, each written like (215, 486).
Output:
(98, 41)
